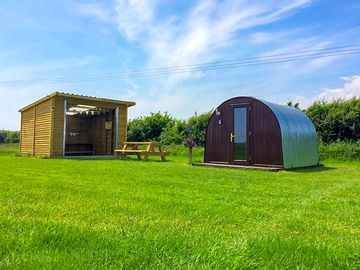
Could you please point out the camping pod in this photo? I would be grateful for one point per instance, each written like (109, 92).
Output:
(251, 132)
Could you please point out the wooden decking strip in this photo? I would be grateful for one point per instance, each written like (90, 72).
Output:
(217, 165)
(91, 157)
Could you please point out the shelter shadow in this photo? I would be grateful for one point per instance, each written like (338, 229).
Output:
(312, 169)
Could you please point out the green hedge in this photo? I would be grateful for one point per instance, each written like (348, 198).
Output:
(338, 120)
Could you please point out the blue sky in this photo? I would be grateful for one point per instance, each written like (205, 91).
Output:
(47, 39)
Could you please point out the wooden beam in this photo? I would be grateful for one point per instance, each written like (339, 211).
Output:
(34, 132)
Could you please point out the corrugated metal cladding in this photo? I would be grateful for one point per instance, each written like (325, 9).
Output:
(298, 136)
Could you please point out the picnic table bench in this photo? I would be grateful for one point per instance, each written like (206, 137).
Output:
(132, 148)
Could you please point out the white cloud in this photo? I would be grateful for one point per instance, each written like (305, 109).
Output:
(196, 37)
(95, 10)
(200, 35)
(210, 28)
(134, 16)
(349, 90)
(131, 17)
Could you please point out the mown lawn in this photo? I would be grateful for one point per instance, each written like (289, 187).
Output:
(104, 214)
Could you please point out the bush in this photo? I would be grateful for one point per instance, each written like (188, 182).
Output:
(336, 121)
(340, 150)
(149, 128)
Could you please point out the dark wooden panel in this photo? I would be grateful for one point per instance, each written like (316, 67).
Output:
(266, 136)
(90, 129)
(264, 142)
(104, 140)
(216, 148)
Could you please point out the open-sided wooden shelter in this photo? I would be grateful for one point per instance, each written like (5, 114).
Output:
(251, 132)
(63, 124)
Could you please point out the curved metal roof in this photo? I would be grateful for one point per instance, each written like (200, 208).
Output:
(298, 136)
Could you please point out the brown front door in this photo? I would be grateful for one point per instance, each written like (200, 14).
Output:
(239, 134)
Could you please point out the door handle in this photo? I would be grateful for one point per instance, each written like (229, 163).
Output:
(232, 136)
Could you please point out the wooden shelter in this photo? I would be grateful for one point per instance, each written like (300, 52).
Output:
(63, 124)
(244, 131)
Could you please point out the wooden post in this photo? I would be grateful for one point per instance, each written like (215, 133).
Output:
(190, 154)
(117, 128)
(64, 131)
(34, 132)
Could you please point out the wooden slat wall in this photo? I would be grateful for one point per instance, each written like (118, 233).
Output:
(27, 131)
(43, 128)
(36, 129)
(58, 127)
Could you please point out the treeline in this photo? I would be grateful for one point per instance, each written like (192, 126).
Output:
(7, 136)
(337, 121)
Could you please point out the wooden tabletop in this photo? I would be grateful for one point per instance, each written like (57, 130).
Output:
(142, 143)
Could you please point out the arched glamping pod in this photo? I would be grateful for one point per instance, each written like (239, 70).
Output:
(251, 132)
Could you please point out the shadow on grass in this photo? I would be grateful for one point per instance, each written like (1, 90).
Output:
(128, 159)
(319, 168)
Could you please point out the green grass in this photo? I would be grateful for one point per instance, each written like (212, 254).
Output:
(114, 214)
(9, 149)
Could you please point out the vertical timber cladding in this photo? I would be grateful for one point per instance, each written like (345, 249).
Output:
(58, 126)
(122, 125)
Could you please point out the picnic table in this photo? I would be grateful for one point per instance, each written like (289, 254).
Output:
(132, 148)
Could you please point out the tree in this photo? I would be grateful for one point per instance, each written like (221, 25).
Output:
(198, 125)
(295, 105)
(2, 137)
(7, 136)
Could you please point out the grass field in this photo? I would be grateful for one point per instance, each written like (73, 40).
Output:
(113, 214)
